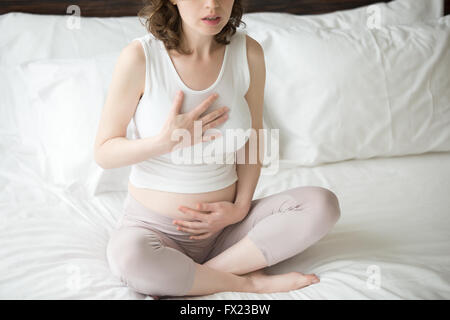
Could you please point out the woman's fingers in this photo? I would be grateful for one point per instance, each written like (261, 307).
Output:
(213, 115)
(211, 137)
(193, 214)
(202, 236)
(215, 123)
(193, 231)
(191, 224)
(195, 228)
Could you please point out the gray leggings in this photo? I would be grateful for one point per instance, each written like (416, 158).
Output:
(152, 257)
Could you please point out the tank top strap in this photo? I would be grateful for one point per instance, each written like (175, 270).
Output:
(240, 62)
(146, 45)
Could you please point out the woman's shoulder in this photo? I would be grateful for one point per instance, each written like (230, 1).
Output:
(133, 54)
(131, 64)
(253, 46)
(254, 49)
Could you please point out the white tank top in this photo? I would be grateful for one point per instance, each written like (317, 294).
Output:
(212, 164)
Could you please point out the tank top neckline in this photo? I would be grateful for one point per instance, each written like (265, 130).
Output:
(177, 76)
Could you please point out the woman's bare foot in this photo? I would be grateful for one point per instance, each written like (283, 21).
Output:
(264, 283)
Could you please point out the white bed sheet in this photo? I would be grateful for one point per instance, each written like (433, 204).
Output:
(395, 221)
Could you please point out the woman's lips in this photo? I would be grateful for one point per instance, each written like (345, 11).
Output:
(212, 22)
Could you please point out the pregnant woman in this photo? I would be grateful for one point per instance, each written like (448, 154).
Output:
(192, 228)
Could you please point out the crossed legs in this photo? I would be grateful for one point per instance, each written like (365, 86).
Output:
(276, 228)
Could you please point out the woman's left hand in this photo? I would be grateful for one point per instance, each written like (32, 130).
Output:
(211, 217)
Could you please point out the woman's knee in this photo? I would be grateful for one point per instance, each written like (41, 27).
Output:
(113, 253)
(327, 204)
(322, 200)
(124, 250)
(130, 254)
(144, 264)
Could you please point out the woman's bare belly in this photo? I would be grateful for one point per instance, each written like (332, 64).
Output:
(167, 203)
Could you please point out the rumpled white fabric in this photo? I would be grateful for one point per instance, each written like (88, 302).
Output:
(391, 242)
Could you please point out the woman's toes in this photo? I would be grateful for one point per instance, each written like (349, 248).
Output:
(314, 279)
(307, 279)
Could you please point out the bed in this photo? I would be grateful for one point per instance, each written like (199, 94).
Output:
(362, 108)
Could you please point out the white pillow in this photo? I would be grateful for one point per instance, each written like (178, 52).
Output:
(19, 43)
(339, 94)
(59, 38)
(67, 96)
(11, 95)
(377, 14)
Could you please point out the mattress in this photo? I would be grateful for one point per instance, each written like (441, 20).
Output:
(391, 242)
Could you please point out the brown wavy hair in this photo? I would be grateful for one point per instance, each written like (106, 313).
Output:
(163, 20)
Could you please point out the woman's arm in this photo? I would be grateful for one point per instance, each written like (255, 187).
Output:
(112, 148)
(248, 174)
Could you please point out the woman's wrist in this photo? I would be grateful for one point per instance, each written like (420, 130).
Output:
(242, 210)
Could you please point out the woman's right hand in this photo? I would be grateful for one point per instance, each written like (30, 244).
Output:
(177, 120)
